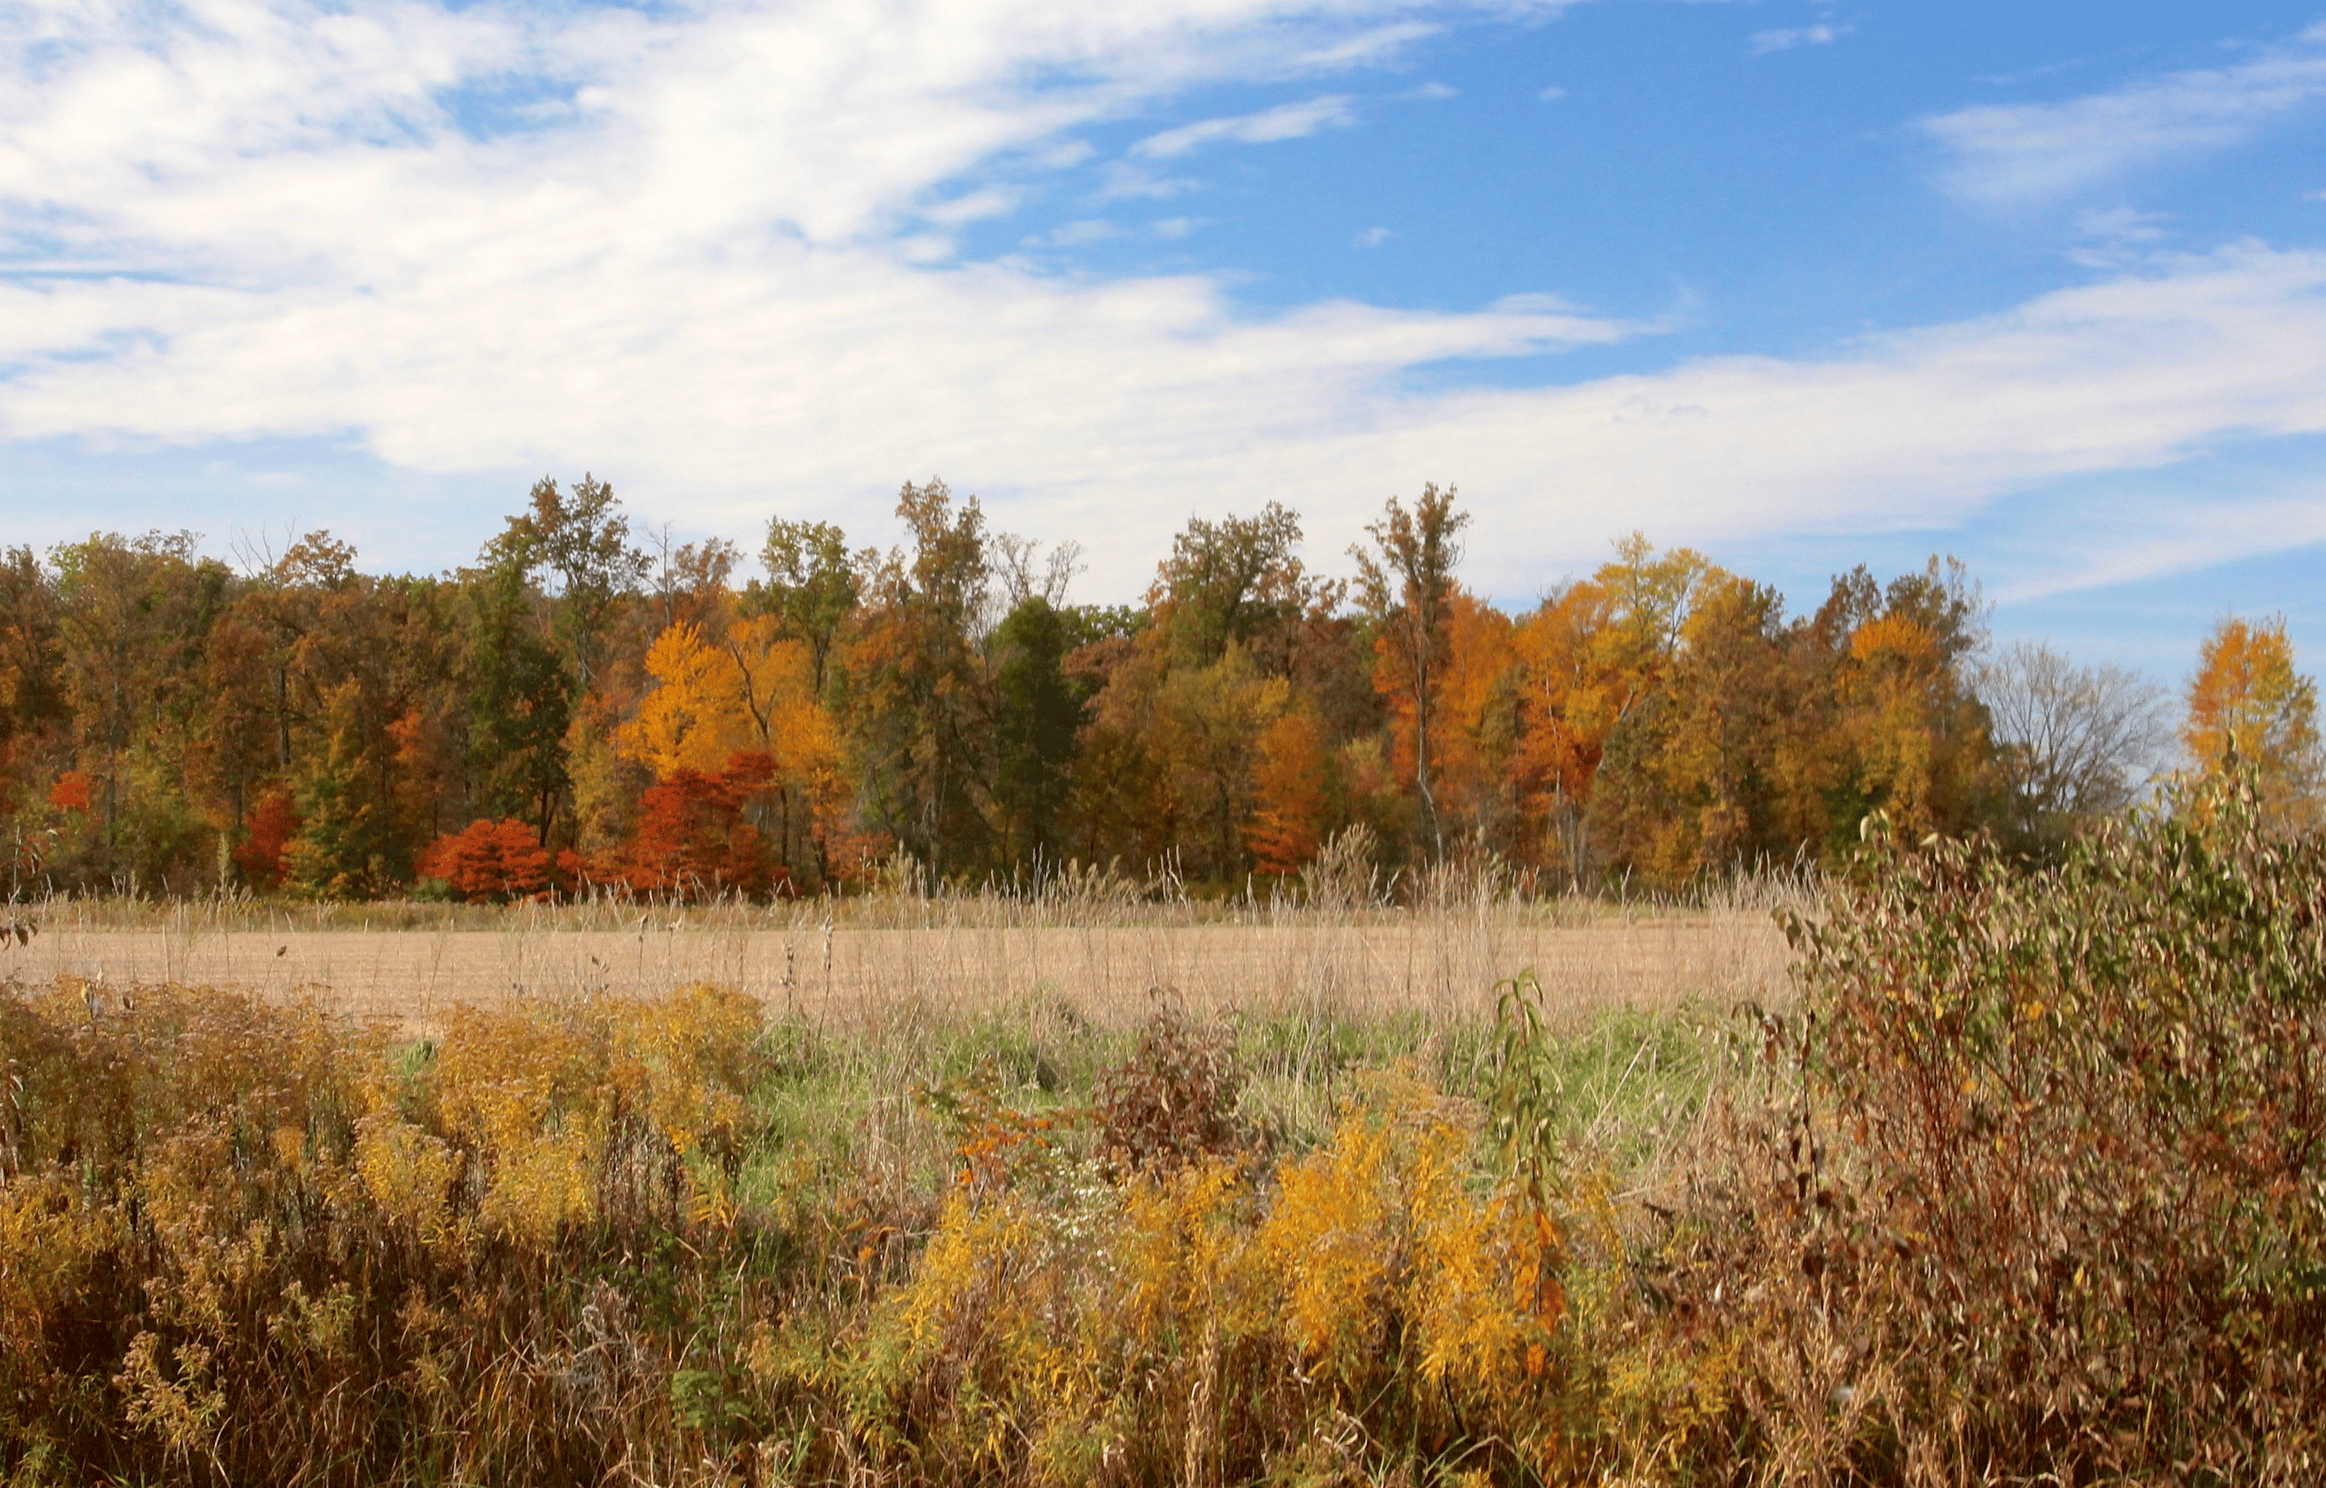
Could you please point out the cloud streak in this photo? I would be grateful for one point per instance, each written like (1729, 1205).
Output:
(2032, 152)
(1761, 43)
(1283, 122)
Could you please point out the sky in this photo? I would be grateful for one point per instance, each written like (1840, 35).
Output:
(1799, 284)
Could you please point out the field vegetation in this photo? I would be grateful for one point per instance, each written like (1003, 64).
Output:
(2024, 1182)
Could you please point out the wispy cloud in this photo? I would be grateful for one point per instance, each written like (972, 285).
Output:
(2028, 152)
(1283, 122)
(1371, 237)
(2185, 538)
(971, 207)
(1379, 44)
(2118, 237)
(1075, 234)
(1761, 43)
(1552, 94)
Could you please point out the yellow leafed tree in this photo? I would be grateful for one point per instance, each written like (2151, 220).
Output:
(2247, 694)
(699, 714)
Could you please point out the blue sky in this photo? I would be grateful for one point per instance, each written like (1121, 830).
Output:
(1799, 284)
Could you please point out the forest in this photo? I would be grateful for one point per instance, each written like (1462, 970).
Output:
(586, 708)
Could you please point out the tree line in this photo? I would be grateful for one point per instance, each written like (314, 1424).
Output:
(585, 707)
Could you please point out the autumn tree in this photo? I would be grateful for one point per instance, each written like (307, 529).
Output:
(1292, 793)
(272, 826)
(695, 837)
(1405, 586)
(1561, 726)
(698, 716)
(1911, 734)
(2247, 702)
(489, 862)
(34, 711)
(131, 617)
(1594, 672)
(915, 698)
(1690, 775)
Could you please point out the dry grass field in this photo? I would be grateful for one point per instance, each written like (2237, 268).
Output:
(963, 956)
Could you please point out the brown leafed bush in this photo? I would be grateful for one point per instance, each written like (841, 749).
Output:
(2042, 1195)
(1174, 1100)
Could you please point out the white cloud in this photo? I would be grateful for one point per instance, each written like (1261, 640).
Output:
(1915, 430)
(1552, 95)
(1761, 43)
(1372, 237)
(1283, 122)
(1433, 93)
(2027, 152)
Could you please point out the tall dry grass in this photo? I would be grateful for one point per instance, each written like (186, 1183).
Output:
(1095, 938)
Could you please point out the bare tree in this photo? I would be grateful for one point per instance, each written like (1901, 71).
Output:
(2075, 741)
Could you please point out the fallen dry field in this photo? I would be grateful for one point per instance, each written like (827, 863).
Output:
(1443, 964)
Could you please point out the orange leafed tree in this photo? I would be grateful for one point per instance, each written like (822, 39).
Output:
(1562, 727)
(1476, 681)
(2247, 694)
(1291, 783)
(490, 862)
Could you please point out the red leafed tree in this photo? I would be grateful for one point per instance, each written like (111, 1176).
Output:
(71, 792)
(694, 838)
(273, 823)
(490, 862)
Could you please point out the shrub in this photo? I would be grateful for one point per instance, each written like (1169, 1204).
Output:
(1174, 1099)
(2047, 1196)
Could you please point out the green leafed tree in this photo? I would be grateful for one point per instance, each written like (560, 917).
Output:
(812, 587)
(1038, 714)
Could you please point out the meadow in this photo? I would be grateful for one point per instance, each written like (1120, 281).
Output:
(2011, 1175)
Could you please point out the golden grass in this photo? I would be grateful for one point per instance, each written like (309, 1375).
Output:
(848, 962)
